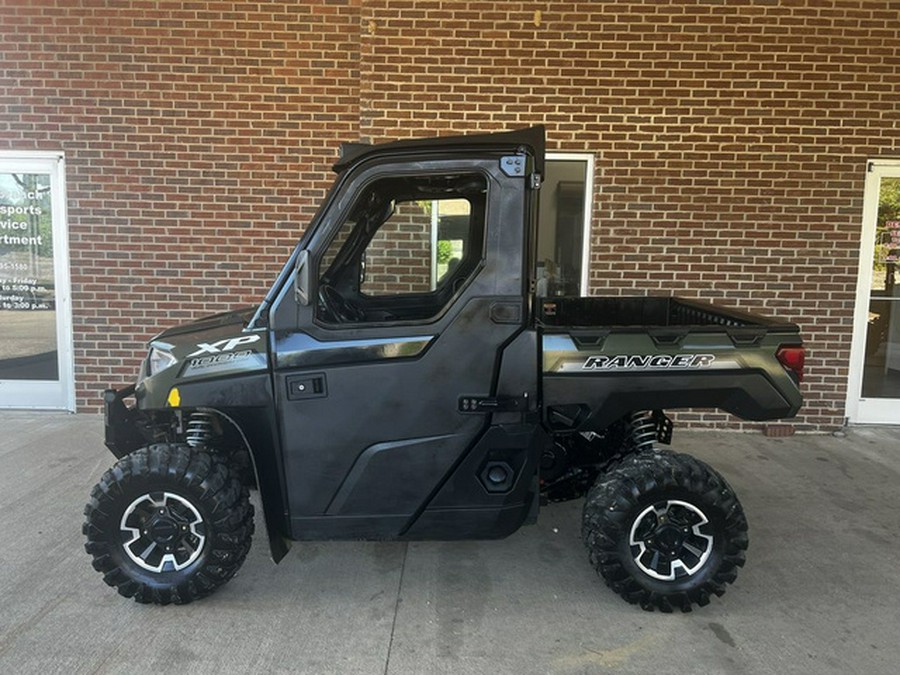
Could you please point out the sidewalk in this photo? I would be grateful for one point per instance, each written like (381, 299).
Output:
(820, 592)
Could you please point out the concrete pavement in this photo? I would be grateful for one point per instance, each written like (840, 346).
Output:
(820, 592)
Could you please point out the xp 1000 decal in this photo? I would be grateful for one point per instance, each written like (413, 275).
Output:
(223, 356)
(225, 345)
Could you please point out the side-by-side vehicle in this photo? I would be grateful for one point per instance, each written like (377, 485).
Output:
(401, 380)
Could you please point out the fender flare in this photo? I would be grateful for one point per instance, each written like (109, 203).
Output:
(265, 470)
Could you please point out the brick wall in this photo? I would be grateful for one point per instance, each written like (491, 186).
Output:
(730, 141)
(731, 138)
(198, 138)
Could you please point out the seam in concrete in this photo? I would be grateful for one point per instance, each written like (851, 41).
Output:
(387, 661)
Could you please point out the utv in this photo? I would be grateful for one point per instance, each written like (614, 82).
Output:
(376, 394)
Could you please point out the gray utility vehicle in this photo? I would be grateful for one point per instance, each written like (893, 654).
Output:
(401, 381)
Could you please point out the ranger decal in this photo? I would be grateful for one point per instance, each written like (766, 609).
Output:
(648, 362)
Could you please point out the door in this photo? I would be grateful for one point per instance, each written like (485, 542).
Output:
(36, 369)
(417, 284)
(874, 388)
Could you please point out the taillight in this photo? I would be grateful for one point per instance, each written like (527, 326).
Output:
(793, 359)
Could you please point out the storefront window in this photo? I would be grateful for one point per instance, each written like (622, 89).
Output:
(36, 369)
(27, 292)
(564, 225)
(881, 373)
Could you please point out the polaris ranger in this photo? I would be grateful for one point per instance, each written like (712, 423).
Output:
(400, 380)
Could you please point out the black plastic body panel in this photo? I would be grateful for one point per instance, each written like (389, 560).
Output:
(121, 432)
(748, 395)
(389, 431)
(257, 424)
(465, 508)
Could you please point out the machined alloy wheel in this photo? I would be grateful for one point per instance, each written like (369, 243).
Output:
(665, 531)
(168, 524)
(667, 541)
(162, 532)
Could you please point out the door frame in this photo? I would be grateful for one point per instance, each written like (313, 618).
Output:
(589, 161)
(35, 394)
(861, 410)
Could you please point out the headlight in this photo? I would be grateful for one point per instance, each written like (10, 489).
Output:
(160, 359)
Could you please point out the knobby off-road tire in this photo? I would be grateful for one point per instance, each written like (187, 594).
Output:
(665, 531)
(168, 524)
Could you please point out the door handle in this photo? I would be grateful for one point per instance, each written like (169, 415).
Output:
(311, 385)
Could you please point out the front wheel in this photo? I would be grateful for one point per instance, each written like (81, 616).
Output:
(665, 531)
(168, 524)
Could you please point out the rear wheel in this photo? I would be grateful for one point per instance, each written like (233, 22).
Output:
(168, 524)
(665, 531)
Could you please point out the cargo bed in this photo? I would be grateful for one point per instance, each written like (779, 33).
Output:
(605, 356)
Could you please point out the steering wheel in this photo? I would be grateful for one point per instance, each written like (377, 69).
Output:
(338, 306)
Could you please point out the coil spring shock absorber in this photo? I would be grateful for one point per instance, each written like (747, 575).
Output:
(643, 430)
(199, 429)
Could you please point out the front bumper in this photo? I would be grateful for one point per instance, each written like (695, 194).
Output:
(122, 432)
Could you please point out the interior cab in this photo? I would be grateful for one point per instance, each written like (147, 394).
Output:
(405, 248)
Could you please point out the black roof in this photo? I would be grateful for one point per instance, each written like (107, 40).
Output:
(532, 137)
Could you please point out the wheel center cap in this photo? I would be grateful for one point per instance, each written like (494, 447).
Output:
(163, 530)
(669, 539)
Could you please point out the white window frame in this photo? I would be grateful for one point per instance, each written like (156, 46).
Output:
(860, 410)
(48, 394)
(589, 161)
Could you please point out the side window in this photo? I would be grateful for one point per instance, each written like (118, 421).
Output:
(418, 248)
(404, 249)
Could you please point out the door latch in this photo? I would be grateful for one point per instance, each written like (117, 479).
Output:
(492, 404)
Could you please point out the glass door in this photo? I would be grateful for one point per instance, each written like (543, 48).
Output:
(874, 392)
(36, 369)
(564, 225)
